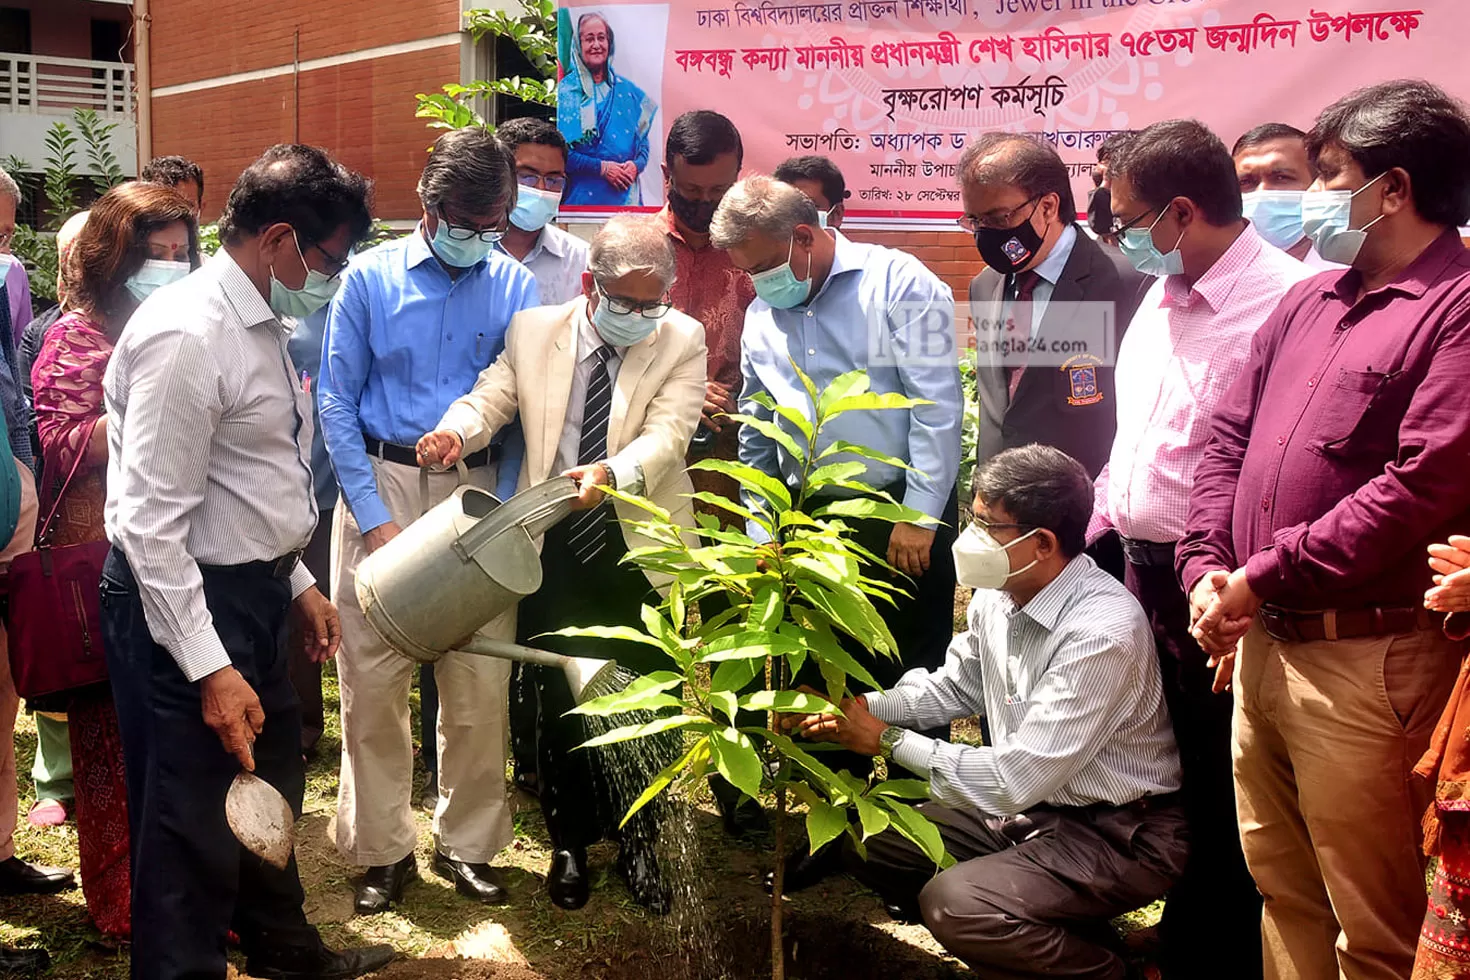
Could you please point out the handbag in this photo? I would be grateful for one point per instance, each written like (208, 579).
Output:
(54, 614)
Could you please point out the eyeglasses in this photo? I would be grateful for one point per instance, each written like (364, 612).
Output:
(992, 525)
(463, 233)
(999, 222)
(334, 264)
(1120, 226)
(656, 310)
(542, 182)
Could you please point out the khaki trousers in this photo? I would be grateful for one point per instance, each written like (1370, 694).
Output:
(1326, 735)
(22, 541)
(374, 810)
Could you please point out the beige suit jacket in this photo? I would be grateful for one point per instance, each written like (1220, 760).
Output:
(657, 402)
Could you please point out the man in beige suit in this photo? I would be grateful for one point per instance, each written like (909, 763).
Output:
(609, 388)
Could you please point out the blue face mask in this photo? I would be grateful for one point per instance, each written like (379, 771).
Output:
(153, 274)
(1326, 216)
(315, 293)
(620, 329)
(1137, 245)
(534, 208)
(779, 287)
(466, 253)
(1276, 216)
(822, 218)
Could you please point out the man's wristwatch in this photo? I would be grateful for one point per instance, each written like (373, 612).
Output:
(888, 741)
(612, 480)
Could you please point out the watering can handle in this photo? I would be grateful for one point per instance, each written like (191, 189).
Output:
(534, 524)
(464, 477)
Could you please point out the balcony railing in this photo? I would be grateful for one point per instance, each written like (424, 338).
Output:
(41, 84)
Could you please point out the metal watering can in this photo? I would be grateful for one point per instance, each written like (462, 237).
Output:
(466, 561)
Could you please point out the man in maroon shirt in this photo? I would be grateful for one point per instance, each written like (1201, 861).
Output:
(1334, 461)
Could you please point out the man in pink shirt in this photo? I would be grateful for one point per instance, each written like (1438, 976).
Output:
(1177, 209)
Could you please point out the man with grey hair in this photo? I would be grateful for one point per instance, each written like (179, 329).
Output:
(416, 320)
(609, 387)
(13, 276)
(828, 305)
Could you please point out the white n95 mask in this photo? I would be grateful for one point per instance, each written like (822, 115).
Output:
(981, 562)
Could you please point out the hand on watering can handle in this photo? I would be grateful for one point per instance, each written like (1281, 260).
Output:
(440, 446)
(233, 712)
(589, 478)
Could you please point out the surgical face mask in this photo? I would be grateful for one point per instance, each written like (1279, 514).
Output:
(315, 293)
(1276, 216)
(463, 253)
(1326, 216)
(1137, 245)
(620, 329)
(981, 562)
(822, 218)
(779, 286)
(534, 208)
(152, 274)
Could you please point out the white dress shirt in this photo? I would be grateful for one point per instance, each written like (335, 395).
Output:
(1048, 271)
(557, 260)
(1070, 684)
(1183, 349)
(629, 478)
(209, 451)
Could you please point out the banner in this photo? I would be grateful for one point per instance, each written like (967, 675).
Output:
(891, 90)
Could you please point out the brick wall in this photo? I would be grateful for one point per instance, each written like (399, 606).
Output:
(362, 112)
(950, 255)
(193, 40)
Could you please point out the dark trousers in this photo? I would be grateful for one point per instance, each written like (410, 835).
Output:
(1216, 895)
(1031, 895)
(524, 707)
(583, 797)
(306, 674)
(429, 723)
(192, 881)
(922, 622)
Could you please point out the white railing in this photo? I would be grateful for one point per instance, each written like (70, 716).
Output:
(38, 83)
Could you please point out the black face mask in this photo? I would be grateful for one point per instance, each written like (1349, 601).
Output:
(1008, 250)
(695, 215)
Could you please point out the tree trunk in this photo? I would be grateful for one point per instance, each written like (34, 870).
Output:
(778, 945)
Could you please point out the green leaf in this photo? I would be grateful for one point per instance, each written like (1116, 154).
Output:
(666, 776)
(806, 382)
(726, 703)
(874, 510)
(917, 789)
(917, 828)
(737, 760)
(627, 733)
(773, 432)
(678, 615)
(835, 473)
(766, 610)
(843, 386)
(788, 702)
(872, 401)
(873, 819)
(748, 646)
(626, 633)
(733, 675)
(723, 503)
(825, 777)
(853, 613)
(644, 694)
(797, 418)
(757, 482)
(842, 446)
(824, 823)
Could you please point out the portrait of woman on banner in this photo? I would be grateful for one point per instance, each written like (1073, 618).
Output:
(605, 118)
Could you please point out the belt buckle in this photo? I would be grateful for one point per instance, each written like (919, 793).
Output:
(1276, 623)
(286, 564)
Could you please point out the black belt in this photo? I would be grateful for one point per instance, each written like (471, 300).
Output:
(1148, 554)
(281, 567)
(408, 456)
(1291, 626)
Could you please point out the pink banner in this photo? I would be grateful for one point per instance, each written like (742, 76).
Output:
(892, 89)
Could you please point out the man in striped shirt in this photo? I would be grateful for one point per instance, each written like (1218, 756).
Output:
(1071, 817)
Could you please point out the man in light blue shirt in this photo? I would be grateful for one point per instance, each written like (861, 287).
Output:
(415, 322)
(832, 305)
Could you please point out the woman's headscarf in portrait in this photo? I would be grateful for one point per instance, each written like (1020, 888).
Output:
(569, 41)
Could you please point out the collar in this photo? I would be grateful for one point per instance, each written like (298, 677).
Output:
(1414, 281)
(1046, 607)
(551, 240)
(1050, 268)
(249, 305)
(417, 250)
(847, 256)
(1213, 288)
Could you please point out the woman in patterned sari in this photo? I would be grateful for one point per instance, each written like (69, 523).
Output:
(138, 237)
(604, 117)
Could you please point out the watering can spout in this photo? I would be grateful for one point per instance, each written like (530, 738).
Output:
(587, 677)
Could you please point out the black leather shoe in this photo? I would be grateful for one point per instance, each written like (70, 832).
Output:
(472, 880)
(639, 869)
(804, 870)
(566, 882)
(14, 961)
(382, 887)
(321, 964)
(19, 878)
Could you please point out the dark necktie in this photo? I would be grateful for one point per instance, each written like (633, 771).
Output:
(588, 531)
(1025, 285)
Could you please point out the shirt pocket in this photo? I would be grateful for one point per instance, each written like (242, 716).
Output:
(1353, 418)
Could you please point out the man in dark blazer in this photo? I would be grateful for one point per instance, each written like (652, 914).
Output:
(1039, 266)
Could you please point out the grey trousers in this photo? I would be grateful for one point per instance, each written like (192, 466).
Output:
(1031, 895)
